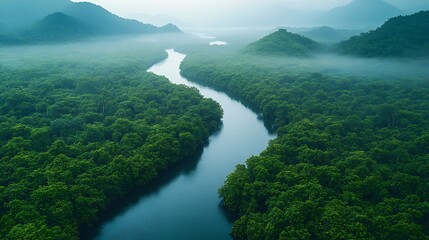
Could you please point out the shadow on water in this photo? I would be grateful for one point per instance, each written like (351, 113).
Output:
(184, 167)
(230, 216)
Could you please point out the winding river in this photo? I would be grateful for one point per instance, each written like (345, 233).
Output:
(185, 204)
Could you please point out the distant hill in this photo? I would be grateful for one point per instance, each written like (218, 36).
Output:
(403, 36)
(57, 27)
(283, 43)
(105, 22)
(328, 35)
(6, 40)
(62, 20)
(411, 6)
(169, 28)
(20, 14)
(159, 19)
(360, 14)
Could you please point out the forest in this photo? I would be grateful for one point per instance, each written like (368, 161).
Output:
(283, 42)
(401, 36)
(81, 125)
(351, 159)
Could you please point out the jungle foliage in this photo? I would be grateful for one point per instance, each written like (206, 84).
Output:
(402, 36)
(80, 129)
(283, 43)
(351, 159)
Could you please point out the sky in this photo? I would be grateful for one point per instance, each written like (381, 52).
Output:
(187, 8)
(175, 7)
(209, 11)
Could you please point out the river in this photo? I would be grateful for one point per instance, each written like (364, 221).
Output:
(185, 205)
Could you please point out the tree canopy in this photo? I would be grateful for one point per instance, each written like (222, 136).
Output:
(76, 136)
(350, 160)
(283, 43)
(402, 36)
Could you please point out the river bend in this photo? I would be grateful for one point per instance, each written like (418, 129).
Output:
(186, 205)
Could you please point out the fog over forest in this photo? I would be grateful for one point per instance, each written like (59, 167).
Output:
(214, 120)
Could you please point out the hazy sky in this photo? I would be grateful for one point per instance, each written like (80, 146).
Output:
(210, 11)
(184, 8)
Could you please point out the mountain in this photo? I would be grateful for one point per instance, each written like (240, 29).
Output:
(6, 40)
(105, 22)
(159, 19)
(410, 6)
(360, 14)
(169, 28)
(57, 27)
(403, 36)
(328, 35)
(64, 20)
(20, 14)
(283, 43)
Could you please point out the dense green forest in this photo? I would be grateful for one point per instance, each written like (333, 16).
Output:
(83, 125)
(351, 159)
(402, 36)
(283, 43)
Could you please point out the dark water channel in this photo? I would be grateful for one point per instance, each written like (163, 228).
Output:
(184, 205)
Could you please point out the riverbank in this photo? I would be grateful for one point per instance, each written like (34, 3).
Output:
(187, 207)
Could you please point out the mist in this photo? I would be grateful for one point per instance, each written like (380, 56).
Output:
(238, 13)
(223, 13)
(103, 52)
(336, 65)
(103, 117)
(374, 68)
(329, 64)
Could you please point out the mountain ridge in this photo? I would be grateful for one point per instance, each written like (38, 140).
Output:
(57, 26)
(402, 36)
(360, 14)
(94, 20)
(327, 34)
(21, 14)
(283, 43)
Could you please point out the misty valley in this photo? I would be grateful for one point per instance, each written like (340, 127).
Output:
(271, 124)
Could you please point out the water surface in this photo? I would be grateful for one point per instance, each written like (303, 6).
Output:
(186, 205)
